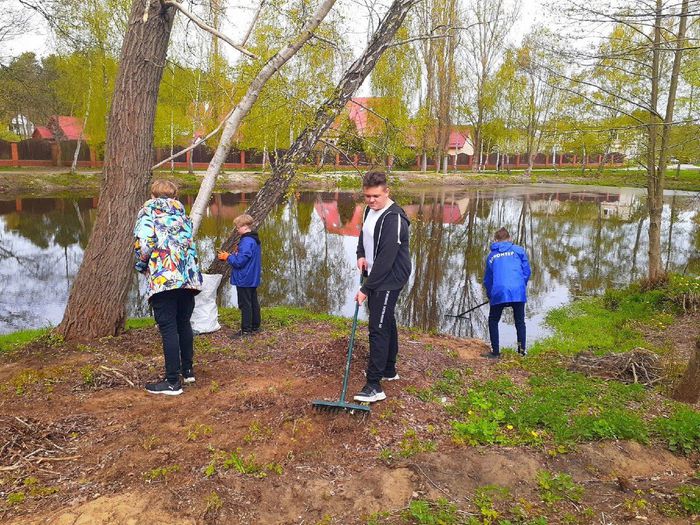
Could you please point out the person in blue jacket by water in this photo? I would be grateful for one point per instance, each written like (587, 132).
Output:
(505, 279)
(245, 274)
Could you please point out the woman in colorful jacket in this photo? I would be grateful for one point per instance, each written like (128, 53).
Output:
(505, 279)
(165, 253)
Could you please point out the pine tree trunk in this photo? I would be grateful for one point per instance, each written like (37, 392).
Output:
(283, 170)
(96, 302)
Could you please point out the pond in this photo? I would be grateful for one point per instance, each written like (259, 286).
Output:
(580, 240)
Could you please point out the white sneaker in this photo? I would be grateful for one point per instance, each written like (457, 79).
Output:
(395, 377)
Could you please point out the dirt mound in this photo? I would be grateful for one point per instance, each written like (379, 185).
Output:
(126, 509)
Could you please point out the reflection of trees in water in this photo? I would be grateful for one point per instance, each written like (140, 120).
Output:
(302, 269)
(572, 246)
(64, 222)
(427, 240)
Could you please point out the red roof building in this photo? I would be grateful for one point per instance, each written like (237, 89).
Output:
(42, 132)
(460, 141)
(60, 127)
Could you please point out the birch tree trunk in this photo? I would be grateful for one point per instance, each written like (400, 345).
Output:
(244, 106)
(283, 170)
(656, 168)
(96, 302)
(76, 153)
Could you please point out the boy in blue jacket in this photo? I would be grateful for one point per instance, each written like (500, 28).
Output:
(505, 279)
(245, 274)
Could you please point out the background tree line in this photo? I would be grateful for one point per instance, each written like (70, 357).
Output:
(459, 68)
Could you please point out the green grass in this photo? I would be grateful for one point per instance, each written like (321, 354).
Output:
(685, 180)
(558, 406)
(20, 338)
(609, 323)
(16, 340)
(281, 317)
(139, 322)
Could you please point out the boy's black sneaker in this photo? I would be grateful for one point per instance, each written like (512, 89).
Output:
(165, 387)
(491, 355)
(241, 334)
(370, 394)
(188, 376)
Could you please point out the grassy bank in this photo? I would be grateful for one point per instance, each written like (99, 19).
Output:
(274, 318)
(557, 406)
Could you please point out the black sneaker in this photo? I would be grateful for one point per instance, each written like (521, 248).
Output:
(188, 376)
(370, 394)
(165, 387)
(491, 355)
(241, 334)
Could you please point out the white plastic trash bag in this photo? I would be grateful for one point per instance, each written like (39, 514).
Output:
(205, 317)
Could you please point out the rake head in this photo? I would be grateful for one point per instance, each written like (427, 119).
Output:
(340, 406)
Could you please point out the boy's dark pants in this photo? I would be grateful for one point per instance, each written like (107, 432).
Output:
(383, 335)
(250, 308)
(172, 310)
(495, 311)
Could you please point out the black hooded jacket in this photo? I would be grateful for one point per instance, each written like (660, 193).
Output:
(392, 261)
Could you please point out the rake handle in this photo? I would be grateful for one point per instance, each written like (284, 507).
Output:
(461, 315)
(349, 358)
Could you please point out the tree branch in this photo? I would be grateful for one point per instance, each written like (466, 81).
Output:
(199, 22)
(252, 24)
(336, 148)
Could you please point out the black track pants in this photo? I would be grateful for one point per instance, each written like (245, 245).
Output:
(172, 310)
(250, 308)
(383, 336)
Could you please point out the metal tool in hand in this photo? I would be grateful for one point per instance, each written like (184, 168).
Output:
(461, 315)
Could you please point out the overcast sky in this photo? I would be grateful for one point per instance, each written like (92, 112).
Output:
(38, 40)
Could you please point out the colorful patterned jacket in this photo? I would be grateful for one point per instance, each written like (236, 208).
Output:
(163, 247)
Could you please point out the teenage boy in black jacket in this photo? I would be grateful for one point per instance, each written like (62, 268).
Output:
(382, 252)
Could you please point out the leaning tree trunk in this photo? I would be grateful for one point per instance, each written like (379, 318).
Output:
(283, 170)
(96, 302)
(244, 106)
(688, 389)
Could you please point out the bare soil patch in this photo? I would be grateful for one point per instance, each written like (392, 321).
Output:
(84, 443)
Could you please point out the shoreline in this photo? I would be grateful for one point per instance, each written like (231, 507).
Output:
(57, 182)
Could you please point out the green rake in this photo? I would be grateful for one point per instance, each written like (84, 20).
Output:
(341, 404)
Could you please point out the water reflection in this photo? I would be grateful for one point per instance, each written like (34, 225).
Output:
(580, 240)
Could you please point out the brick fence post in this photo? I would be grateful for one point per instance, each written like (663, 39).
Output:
(14, 154)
